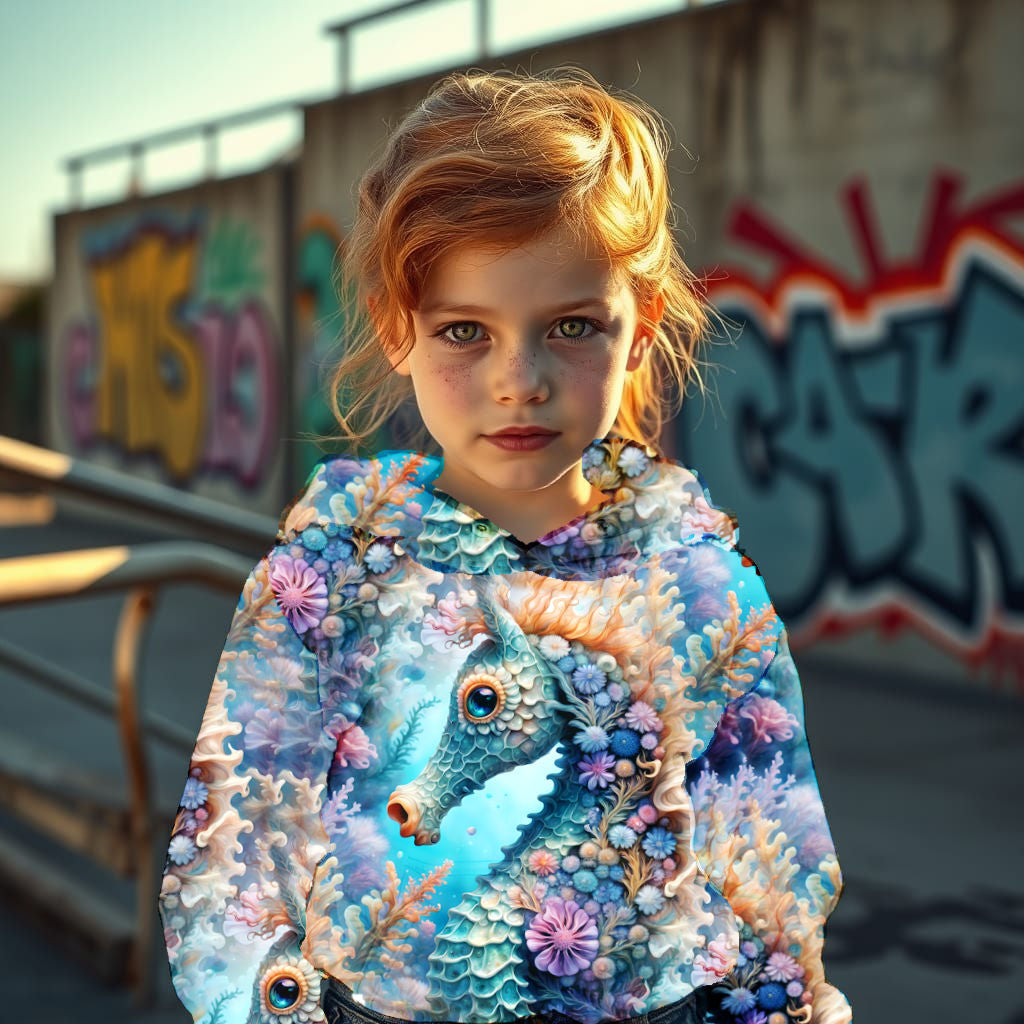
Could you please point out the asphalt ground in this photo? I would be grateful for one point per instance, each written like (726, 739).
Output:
(921, 784)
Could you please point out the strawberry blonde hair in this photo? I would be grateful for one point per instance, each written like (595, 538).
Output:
(496, 158)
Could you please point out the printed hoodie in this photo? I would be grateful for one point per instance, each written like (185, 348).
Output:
(475, 779)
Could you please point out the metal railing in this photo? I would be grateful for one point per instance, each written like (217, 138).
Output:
(342, 29)
(88, 824)
(157, 503)
(210, 129)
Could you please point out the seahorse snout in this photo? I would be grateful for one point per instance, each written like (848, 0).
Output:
(404, 809)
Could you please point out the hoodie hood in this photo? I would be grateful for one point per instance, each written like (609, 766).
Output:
(651, 504)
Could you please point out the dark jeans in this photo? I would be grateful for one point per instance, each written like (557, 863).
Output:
(340, 1008)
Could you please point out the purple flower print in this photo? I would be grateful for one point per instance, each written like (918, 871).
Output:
(753, 1017)
(597, 770)
(782, 967)
(564, 937)
(301, 592)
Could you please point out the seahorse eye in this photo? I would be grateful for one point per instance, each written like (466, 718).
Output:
(480, 697)
(283, 993)
(284, 988)
(481, 701)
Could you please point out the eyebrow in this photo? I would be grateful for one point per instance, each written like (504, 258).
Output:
(442, 306)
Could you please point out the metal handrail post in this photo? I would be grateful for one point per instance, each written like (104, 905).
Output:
(483, 28)
(344, 61)
(135, 615)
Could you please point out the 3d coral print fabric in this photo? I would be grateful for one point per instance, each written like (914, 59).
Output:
(475, 779)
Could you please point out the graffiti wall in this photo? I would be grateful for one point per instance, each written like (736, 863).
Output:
(166, 337)
(875, 426)
(320, 334)
(850, 180)
(848, 174)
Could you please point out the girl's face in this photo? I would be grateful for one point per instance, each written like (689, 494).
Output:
(538, 336)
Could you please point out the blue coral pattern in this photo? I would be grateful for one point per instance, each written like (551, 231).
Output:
(476, 779)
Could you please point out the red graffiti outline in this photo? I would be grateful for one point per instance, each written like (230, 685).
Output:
(948, 239)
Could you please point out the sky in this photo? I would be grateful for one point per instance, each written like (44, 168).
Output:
(76, 77)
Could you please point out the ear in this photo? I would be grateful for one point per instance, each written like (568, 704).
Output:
(643, 337)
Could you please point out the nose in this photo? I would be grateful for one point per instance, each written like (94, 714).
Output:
(520, 376)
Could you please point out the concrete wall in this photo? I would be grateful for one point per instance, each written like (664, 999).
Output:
(167, 338)
(852, 170)
(847, 172)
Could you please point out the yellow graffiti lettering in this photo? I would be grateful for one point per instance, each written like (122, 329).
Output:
(150, 390)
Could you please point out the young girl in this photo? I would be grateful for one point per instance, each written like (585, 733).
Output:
(510, 733)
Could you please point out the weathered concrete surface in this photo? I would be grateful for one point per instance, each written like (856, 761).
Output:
(849, 179)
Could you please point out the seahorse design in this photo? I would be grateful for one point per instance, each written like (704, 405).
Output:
(504, 711)
(527, 688)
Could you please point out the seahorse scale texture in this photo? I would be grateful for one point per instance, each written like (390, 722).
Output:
(464, 768)
(561, 821)
(480, 955)
(450, 536)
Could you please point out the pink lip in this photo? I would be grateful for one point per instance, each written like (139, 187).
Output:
(521, 432)
(520, 442)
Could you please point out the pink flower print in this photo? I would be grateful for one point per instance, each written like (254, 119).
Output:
(782, 967)
(564, 937)
(597, 770)
(712, 964)
(648, 812)
(642, 717)
(543, 862)
(771, 721)
(301, 592)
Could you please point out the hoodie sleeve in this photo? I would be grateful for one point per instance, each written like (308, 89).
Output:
(247, 836)
(762, 838)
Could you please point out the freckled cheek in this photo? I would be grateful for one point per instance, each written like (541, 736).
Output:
(589, 376)
(450, 383)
